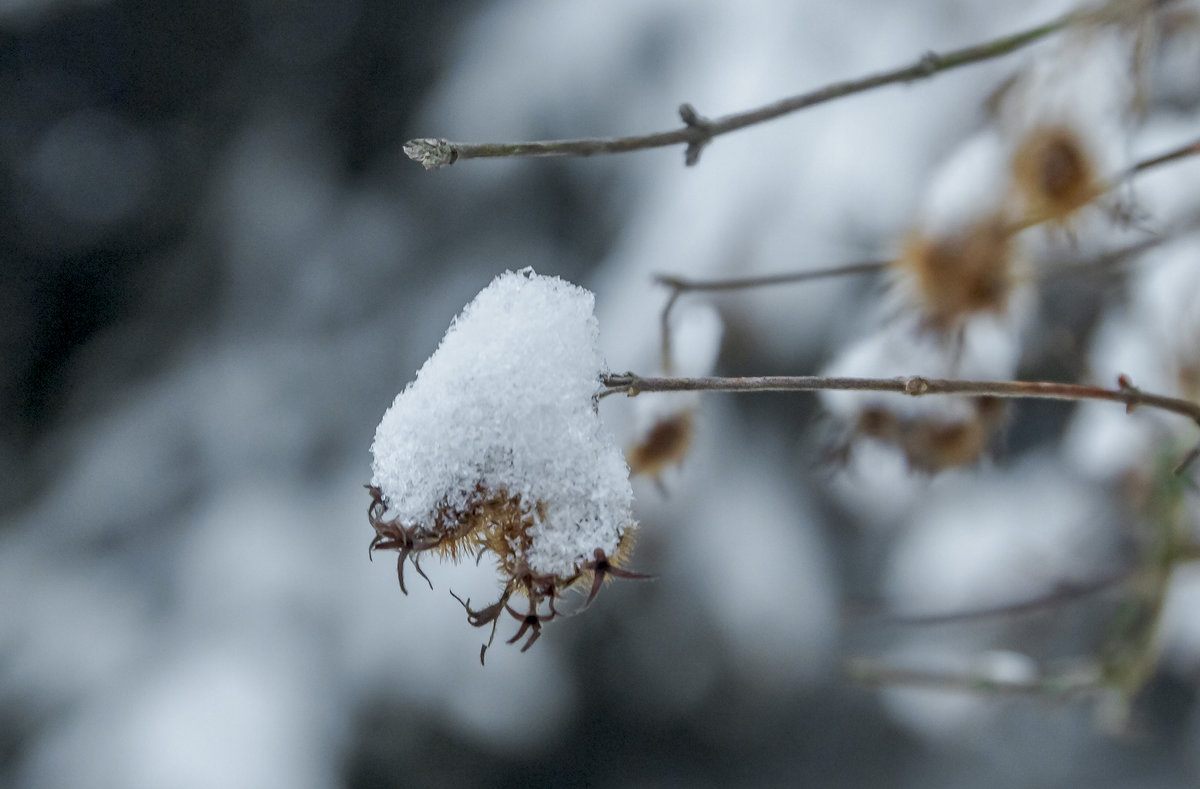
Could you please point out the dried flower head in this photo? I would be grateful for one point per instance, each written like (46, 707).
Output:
(496, 448)
(936, 442)
(1066, 120)
(932, 436)
(1054, 174)
(961, 274)
(961, 259)
(664, 445)
(666, 424)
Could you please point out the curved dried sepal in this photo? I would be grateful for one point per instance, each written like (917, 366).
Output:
(531, 621)
(416, 566)
(484, 615)
(601, 568)
(392, 536)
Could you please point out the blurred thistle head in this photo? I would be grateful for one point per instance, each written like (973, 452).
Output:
(665, 444)
(931, 435)
(935, 442)
(1054, 174)
(666, 423)
(1067, 117)
(961, 274)
(961, 259)
(496, 448)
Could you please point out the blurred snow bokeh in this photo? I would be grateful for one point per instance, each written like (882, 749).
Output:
(219, 271)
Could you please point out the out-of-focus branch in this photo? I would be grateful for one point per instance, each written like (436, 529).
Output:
(1182, 152)
(1064, 594)
(681, 285)
(685, 285)
(698, 131)
(1060, 687)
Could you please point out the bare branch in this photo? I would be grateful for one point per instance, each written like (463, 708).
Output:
(698, 131)
(916, 386)
(1061, 595)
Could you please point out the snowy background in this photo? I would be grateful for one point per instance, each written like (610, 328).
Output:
(218, 269)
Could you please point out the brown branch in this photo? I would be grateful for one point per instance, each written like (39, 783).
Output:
(916, 386)
(698, 131)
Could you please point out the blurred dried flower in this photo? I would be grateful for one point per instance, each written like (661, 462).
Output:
(959, 275)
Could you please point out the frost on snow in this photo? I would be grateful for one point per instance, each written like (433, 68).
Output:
(497, 446)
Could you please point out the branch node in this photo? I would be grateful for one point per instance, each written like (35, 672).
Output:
(929, 64)
(431, 152)
(701, 132)
(916, 386)
(1132, 392)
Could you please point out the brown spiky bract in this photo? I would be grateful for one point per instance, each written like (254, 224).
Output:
(960, 275)
(499, 523)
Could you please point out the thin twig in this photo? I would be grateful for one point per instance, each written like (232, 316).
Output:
(1125, 393)
(681, 285)
(783, 278)
(1182, 152)
(1060, 687)
(698, 131)
(1064, 594)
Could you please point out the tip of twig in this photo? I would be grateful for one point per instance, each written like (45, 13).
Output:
(431, 153)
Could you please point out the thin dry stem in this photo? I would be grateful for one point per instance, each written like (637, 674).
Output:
(1058, 687)
(916, 386)
(698, 131)
(1062, 595)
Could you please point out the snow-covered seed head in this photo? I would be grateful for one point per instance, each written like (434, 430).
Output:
(961, 274)
(497, 448)
(1054, 174)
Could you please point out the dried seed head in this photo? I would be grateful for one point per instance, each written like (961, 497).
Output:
(1067, 121)
(934, 443)
(665, 445)
(958, 275)
(1054, 174)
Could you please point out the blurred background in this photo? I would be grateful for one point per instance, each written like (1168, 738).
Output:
(219, 269)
